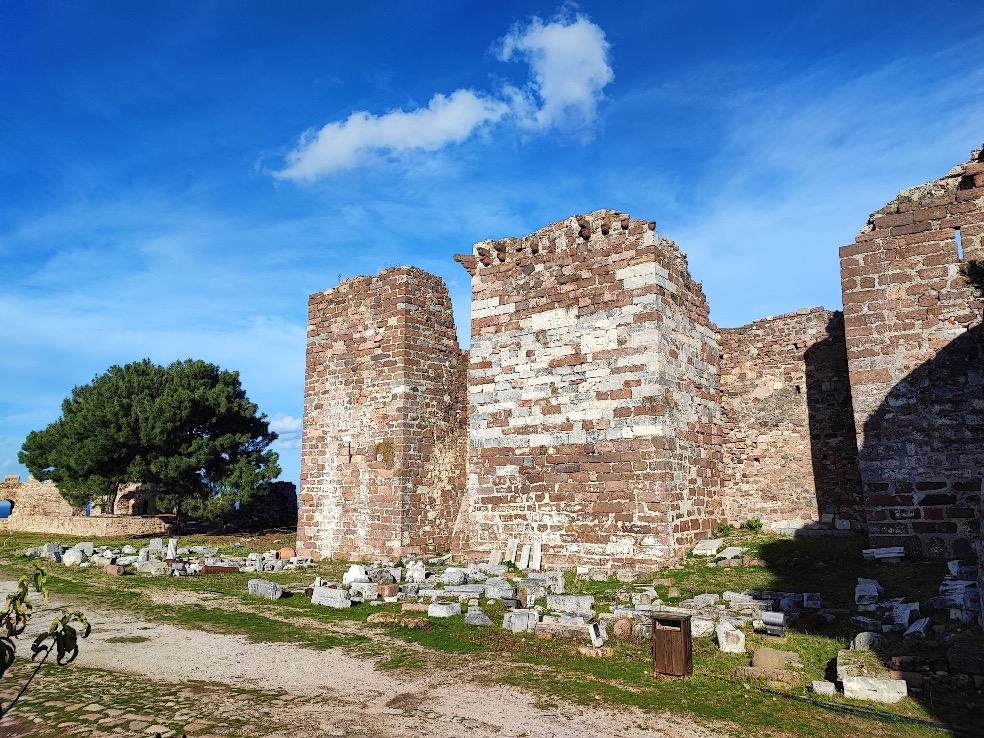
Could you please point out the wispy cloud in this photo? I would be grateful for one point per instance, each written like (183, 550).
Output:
(345, 145)
(569, 65)
(568, 59)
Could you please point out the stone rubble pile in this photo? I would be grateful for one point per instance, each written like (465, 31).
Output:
(156, 559)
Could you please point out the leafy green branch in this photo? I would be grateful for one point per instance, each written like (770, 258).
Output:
(61, 639)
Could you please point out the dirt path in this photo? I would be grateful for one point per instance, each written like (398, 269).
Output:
(201, 678)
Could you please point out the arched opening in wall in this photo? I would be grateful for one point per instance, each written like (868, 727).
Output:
(6, 507)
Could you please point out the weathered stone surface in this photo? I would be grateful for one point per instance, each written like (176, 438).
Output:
(74, 557)
(874, 689)
(595, 651)
(266, 589)
(519, 621)
(730, 639)
(331, 597)
(768, 658)
(708, 547)
(868, 641)
(476, 617)
(355, 573)
(867, 592)
(443, 609)
(154, 568)
(499, 589)
(381, 576)
(622, 628)
(398, 619)
(824, 688)
(701, 627)
(581, 604)
(454, 577)
(777, 674)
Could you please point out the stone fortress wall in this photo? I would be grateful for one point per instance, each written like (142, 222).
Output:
(913, 335)
(593, 395)
(384, 442)
(610, 423)
(789, 442)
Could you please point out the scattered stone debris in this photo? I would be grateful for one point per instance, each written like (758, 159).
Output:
(730, 639)
(156, 560)
(864, 677)
(868, 641)
(824, 688)
(890, 555)
(264, 588)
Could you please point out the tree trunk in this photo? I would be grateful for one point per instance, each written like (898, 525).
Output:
(180, 520)
(111, 500)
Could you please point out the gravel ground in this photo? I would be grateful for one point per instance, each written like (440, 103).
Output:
(213, 686)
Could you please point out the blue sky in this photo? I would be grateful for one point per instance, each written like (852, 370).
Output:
(177, 178)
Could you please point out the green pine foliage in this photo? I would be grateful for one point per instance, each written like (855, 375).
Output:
(187, 428)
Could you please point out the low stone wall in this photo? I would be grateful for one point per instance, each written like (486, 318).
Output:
(80, 525)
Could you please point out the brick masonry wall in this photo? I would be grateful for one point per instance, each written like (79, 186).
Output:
(915, 355)
(384, 443)
(789, 447)
(594, 396)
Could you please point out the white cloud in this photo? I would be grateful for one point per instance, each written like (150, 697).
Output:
(338, 146)
(569, 69)
(289, 429)
(568, 60)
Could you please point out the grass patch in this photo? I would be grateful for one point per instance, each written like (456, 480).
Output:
(552, 668)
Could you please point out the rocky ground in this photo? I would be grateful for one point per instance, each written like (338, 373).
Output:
(135, 678)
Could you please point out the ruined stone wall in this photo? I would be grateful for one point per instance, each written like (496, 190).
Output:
(136, 499)
(39, 508)
(594, 396)
(917, 366)
(789, 447)
(87, 526)
(32, 497)
(383, 452)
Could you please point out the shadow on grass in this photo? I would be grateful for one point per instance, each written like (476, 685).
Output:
(831, 566)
